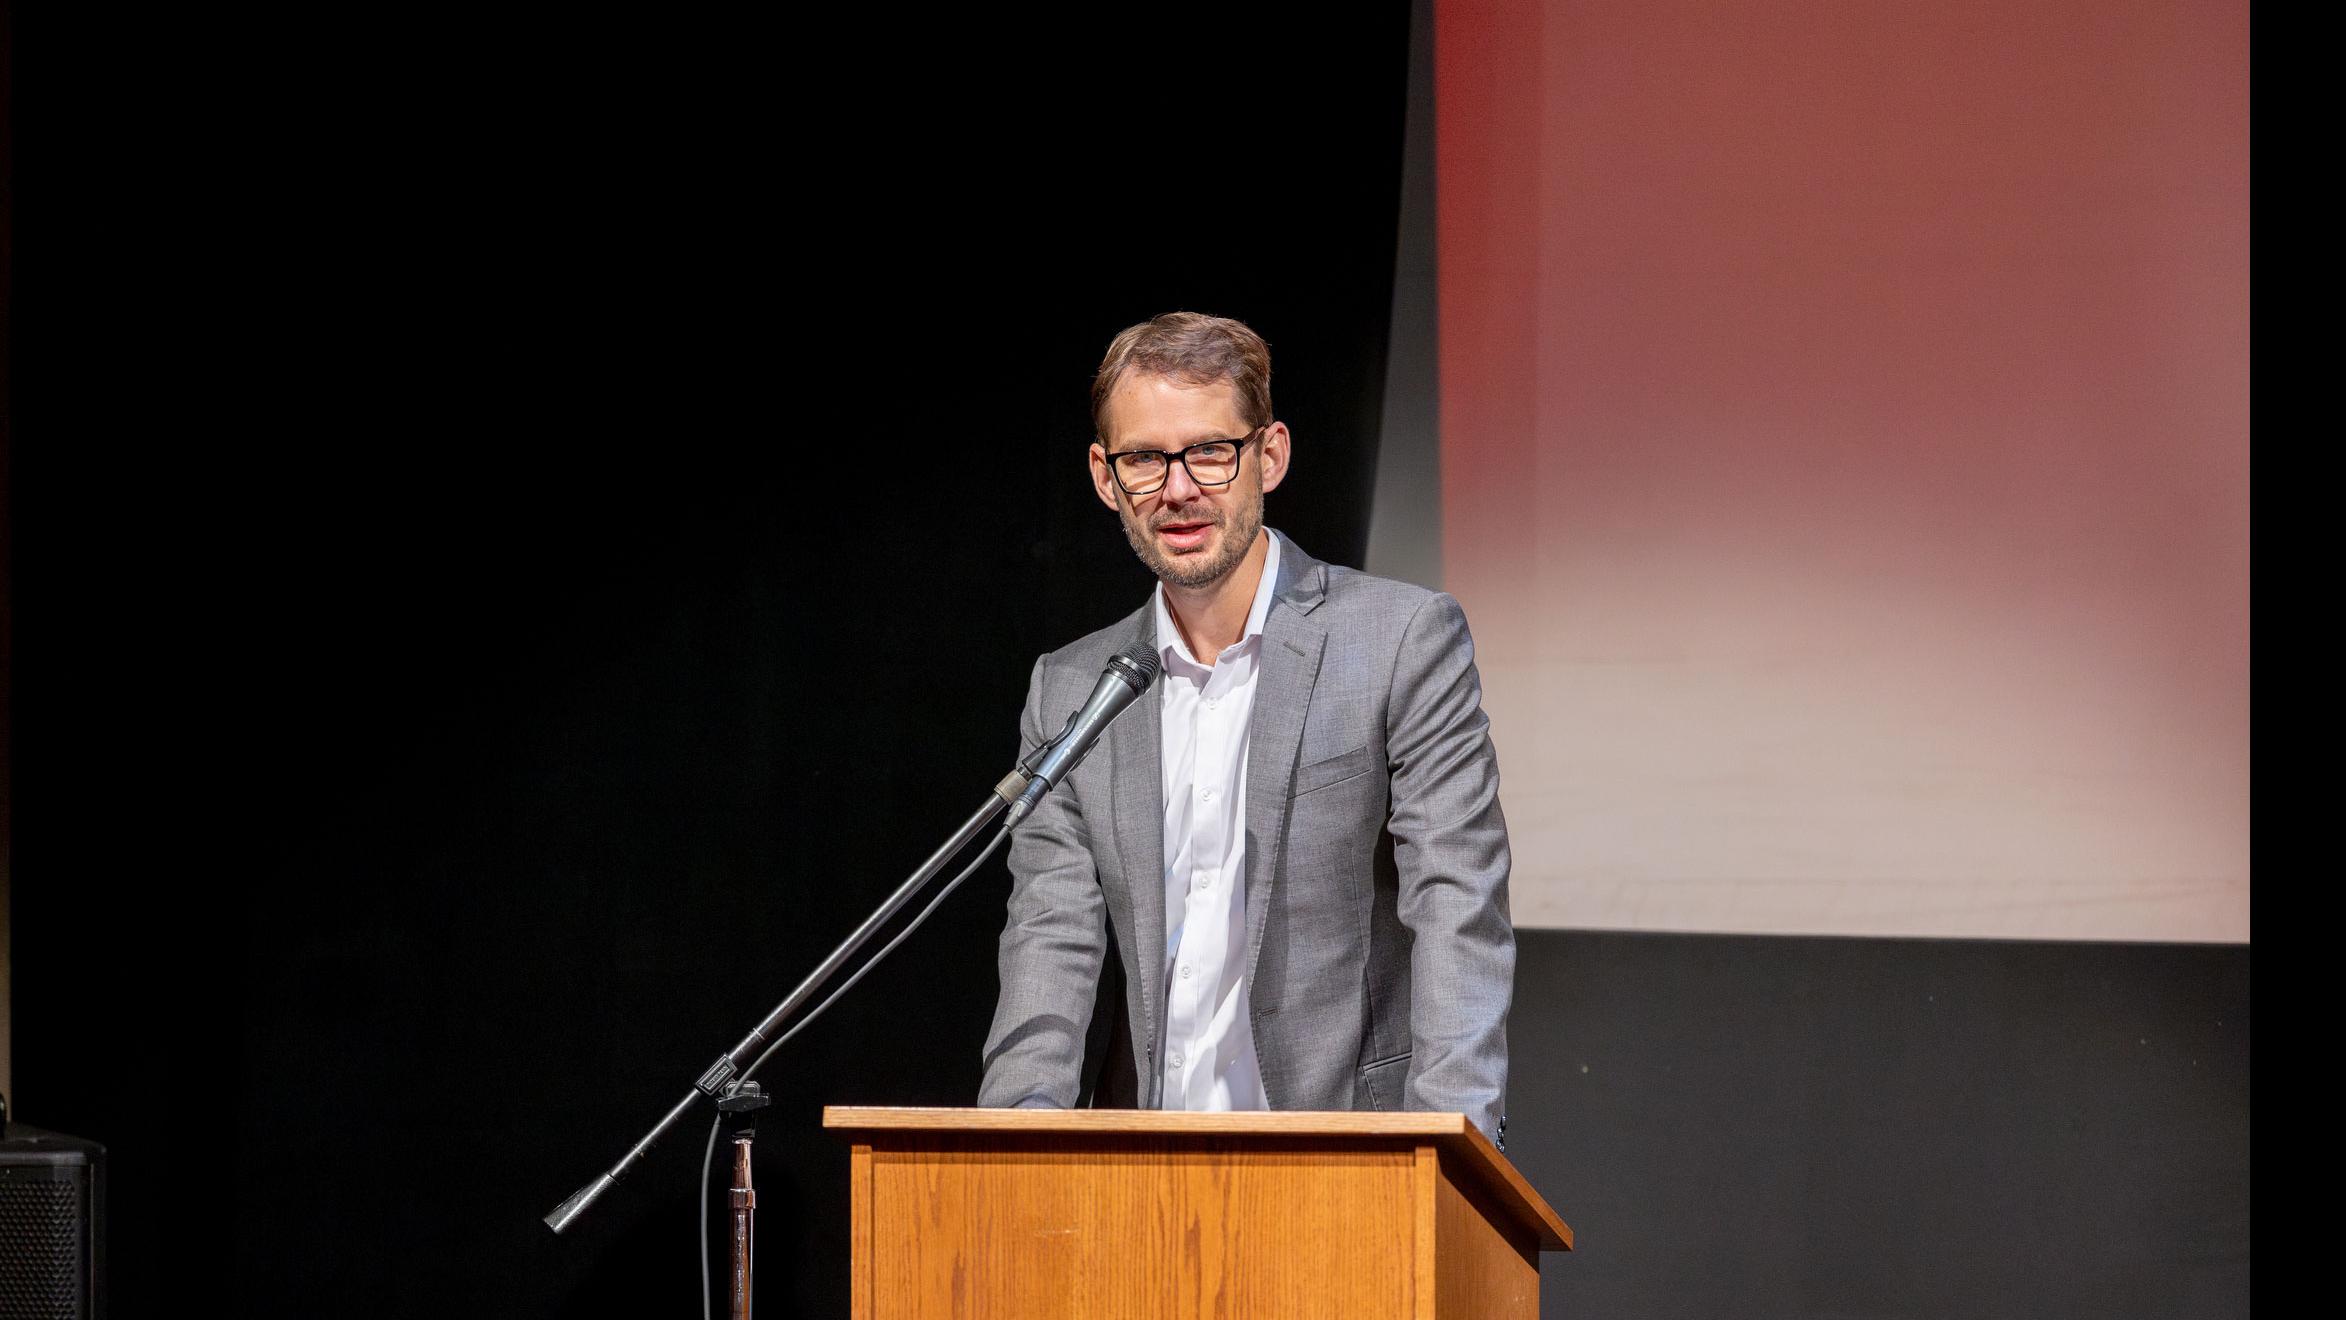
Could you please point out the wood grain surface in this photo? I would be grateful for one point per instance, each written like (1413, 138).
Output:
(1108, 1214)
(1486, 1264)
(1459, 1139)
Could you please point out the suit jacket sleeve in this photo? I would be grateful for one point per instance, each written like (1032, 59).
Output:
(1450, 852)
(1052, 947)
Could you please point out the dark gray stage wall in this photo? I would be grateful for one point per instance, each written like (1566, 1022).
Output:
(1780, 1126)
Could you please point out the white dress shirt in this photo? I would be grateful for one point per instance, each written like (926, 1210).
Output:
(1209, 1059)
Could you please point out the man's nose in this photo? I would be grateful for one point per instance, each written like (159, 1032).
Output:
(1180, 487)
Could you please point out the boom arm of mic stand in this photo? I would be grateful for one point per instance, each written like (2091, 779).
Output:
(712, 1083)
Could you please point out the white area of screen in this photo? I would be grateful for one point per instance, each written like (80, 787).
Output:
(1816, 723)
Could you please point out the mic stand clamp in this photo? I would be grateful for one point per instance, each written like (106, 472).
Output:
(739, 1105)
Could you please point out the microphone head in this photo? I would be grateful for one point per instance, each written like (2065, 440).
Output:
(1136, 664)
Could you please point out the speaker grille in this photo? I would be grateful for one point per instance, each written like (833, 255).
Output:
(42, 1250)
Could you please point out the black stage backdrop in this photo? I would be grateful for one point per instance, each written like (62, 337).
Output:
(530, 526)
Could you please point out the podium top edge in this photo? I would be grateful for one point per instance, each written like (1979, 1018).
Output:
(1451, 1132)
(1147, 1122)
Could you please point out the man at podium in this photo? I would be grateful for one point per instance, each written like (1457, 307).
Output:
(1286, 866)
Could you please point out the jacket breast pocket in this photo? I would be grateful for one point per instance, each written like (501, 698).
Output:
(1334, 770)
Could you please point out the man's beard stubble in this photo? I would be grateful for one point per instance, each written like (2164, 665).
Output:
(1192, 571)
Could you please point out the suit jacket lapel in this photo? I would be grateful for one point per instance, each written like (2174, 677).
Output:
(1290, 666)
(1137, 801)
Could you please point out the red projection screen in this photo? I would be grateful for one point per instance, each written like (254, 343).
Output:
(1844, 453)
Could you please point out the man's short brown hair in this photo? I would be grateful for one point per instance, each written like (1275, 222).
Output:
(1195, 350)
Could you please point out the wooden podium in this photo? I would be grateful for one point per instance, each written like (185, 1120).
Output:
(1090, 1214)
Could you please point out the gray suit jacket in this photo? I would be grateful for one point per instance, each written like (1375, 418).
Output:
(1380, 958)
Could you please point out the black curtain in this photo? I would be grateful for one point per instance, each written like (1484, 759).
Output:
(528, 526)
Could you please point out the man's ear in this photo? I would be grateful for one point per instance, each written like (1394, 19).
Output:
(1275, 454)
(1104, 481)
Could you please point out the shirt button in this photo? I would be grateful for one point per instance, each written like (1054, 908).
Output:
(1205, 882)
(1209, 795)
(1175, 1061)
(1213, 705)
(1184, 973)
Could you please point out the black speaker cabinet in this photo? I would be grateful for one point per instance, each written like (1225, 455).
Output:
(52, 1226)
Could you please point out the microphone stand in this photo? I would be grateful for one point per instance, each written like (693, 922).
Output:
(1128, 674)
(715, 1083)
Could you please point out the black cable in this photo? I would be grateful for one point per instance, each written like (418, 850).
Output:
(708, 1157)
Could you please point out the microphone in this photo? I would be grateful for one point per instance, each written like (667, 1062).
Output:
(1128, 674)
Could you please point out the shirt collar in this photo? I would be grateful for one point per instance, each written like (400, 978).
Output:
(1169, 640)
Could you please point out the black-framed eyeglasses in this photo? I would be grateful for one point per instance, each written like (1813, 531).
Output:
(1210, 463)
